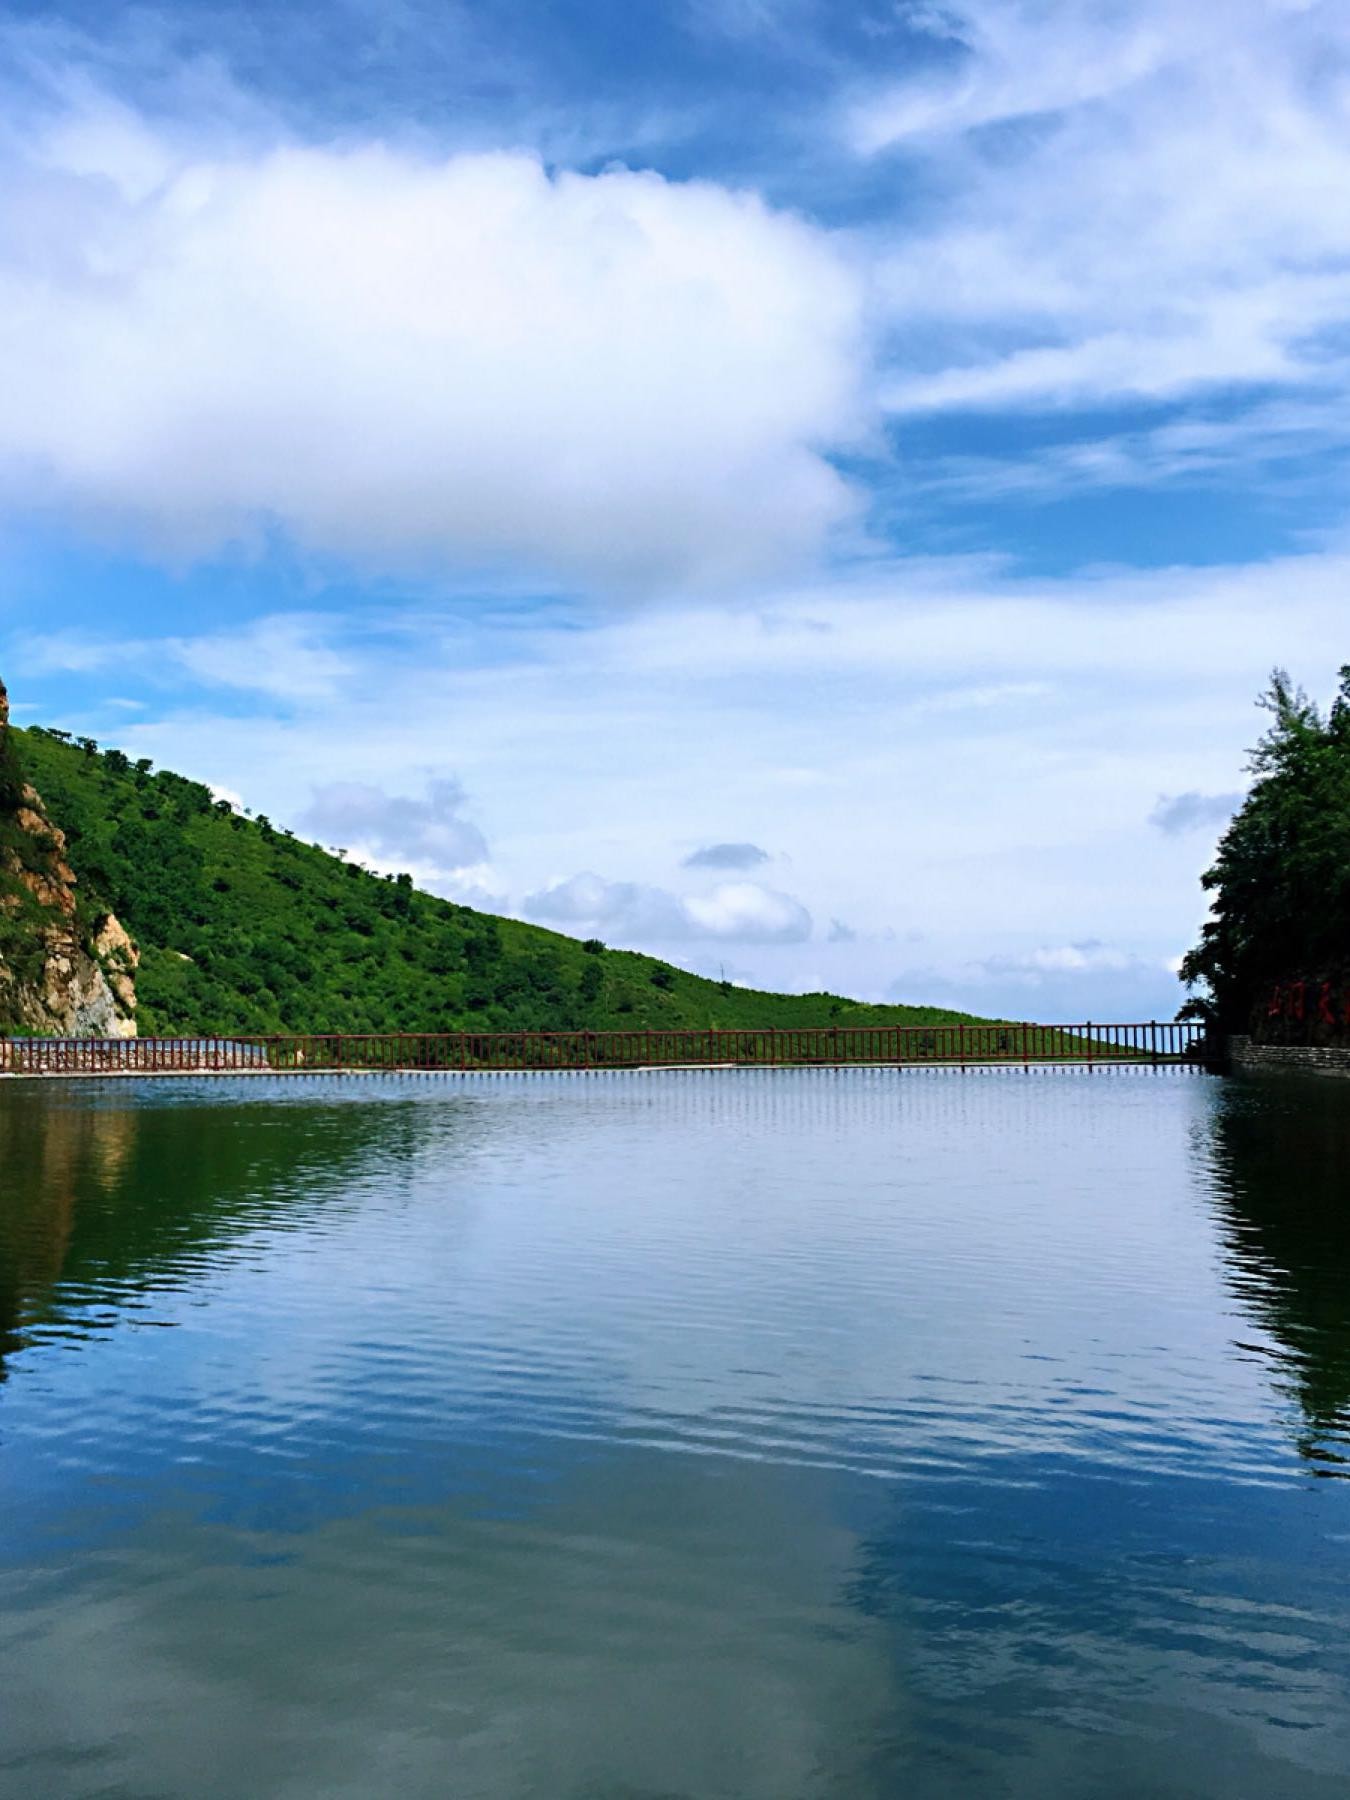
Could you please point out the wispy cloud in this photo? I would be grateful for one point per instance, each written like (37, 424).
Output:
(1176, 813)
(1234, 444)
(1134, 202)
(287, 657)
(282, 656)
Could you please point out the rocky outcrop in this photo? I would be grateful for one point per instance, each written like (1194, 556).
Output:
(62, 973)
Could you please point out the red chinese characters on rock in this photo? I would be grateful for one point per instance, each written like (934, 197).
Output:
(1291, 1000)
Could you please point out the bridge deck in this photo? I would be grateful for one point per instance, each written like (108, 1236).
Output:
(525, 1052)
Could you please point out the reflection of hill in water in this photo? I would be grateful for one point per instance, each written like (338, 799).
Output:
(105, 1193)
(1279, 1159)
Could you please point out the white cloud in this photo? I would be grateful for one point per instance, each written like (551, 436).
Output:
(629, 907)
(1136, 202)
(749, 914)
(397, 356)
(734, 912)
(430, 833)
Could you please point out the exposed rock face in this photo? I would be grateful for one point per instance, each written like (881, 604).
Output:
(58, 975)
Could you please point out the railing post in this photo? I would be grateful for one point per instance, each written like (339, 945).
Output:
(1088, 1034)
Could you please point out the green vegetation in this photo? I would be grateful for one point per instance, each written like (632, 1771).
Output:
(23, 917)
(244, 928)
(1281, 880)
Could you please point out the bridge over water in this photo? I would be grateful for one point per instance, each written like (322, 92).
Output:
(1160, 1043)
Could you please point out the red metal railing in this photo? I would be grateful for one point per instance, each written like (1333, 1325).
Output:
(467, 1052)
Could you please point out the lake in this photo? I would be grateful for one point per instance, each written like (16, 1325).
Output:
(760, 1434)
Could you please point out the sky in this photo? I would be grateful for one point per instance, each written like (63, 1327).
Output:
(809, 491)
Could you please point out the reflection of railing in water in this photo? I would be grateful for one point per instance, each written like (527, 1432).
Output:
(450, 1053)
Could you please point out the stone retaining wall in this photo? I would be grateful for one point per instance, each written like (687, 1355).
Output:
(1319, 1059)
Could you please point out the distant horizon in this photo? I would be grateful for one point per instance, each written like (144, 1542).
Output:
(809, 494)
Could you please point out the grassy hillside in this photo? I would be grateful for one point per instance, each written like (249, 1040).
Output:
(243, 927)
(21, 917)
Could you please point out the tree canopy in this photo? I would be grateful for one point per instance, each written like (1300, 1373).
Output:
(1280, 882)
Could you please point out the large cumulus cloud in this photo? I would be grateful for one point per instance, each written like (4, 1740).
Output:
(393, 355)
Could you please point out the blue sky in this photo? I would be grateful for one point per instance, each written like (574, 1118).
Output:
(530, 445)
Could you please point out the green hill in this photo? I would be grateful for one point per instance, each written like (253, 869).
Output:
(243, 927)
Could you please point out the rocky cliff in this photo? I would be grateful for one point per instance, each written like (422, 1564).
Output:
(67, 969)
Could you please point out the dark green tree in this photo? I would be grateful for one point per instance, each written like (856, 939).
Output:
(1280, 882)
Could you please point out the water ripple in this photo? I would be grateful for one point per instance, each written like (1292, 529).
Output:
(807, 1432)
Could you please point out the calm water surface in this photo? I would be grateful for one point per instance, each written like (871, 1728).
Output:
(779, 1434)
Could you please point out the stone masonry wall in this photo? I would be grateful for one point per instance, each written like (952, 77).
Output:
(1320, 1059)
